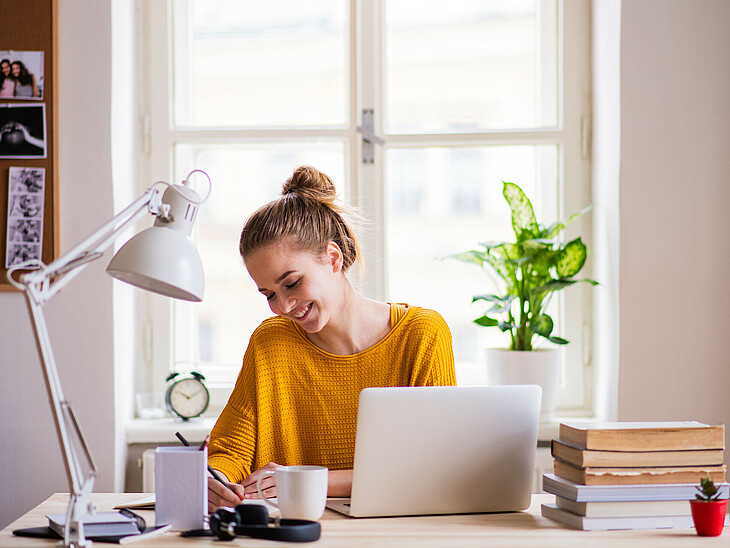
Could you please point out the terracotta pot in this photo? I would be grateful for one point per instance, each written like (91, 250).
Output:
(709, 516)
(541, 367)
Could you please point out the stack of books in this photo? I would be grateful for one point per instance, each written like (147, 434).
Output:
(632, 475)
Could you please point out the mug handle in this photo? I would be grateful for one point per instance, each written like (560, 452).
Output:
(258, 488)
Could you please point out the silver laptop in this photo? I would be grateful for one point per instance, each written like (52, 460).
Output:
(443, 450)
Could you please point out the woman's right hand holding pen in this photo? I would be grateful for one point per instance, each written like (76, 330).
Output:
(223, 494)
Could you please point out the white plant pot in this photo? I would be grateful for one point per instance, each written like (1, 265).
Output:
(541, 367)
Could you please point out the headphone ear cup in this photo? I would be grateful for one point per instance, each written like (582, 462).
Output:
(220, 523)
(252, 514)
(288, 530)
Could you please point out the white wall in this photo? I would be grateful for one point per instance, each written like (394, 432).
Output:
(124, 147)
(80, 317)
(675, 224)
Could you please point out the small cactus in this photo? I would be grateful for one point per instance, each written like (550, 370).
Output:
(707, 490)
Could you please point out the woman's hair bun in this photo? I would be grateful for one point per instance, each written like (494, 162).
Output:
(311, 183)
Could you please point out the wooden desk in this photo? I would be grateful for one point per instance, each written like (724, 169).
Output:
(477, 530)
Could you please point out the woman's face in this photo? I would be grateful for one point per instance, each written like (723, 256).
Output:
(5, 68)
(16, 70)
(298, 284)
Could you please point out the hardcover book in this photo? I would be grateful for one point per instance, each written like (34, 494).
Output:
(622, 509)
(643, 436)
(584, 523)
(606, 493)
(647, 476)
(586, 458)
(101, 524)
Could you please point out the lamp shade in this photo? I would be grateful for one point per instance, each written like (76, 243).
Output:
(162, 260)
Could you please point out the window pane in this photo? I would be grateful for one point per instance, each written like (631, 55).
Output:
(244, 178)
(253, 64)
(442, 201)
(470, 65)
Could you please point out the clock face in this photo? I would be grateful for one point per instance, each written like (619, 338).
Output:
(187, 398)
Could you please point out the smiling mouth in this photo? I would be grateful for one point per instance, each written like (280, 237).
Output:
(301, 314)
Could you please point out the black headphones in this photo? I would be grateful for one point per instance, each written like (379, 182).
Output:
(253, 520)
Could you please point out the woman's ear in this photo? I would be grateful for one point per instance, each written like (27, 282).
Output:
(334, 256)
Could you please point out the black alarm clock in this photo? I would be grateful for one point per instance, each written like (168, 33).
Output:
(187, 396)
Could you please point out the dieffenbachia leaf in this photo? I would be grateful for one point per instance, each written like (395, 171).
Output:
(554, 229)
(556, 285)
(486, 321)
(542, 325)
(487, 297)
(491, 244)
(524, 223)
(571, 258)
(476, 257)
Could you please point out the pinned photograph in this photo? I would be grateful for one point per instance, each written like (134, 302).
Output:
(22, 131)
(21, 75)
(27, 180)
(23, 230)
(26, 206)
(21, 253)
(24, 242)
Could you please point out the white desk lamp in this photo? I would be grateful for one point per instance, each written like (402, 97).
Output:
(161, 259)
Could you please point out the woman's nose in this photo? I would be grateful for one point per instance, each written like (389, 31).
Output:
(283, 306)
(288, 305)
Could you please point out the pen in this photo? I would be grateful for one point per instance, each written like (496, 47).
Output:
(205, 443)
(213, 473)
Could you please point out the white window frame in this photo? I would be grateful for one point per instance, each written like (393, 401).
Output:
(365, 188)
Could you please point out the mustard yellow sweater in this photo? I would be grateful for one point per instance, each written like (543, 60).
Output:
(294, 403)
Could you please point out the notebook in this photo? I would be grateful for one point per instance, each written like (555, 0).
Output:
(443, 450)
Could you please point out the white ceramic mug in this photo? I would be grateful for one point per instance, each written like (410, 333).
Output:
(301, 491)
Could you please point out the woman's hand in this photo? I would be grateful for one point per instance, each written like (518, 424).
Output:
(220, 495)
(268, 485)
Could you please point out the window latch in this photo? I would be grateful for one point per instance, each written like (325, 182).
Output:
(369, 139)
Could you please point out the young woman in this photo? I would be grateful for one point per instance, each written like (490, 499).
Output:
(7, 82)
(295, 400)
(25, 84)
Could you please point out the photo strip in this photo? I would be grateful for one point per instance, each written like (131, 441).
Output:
(25, 215)
(22, 131)
(21, 75)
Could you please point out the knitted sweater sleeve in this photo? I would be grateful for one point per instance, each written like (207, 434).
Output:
(233, 439)
(431, 349)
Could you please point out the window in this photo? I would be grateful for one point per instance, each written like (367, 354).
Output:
(464, 94)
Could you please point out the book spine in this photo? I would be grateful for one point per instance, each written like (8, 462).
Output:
(621, 476)
(604, 524)
(589, 458)
(660, 439)
(612, 493)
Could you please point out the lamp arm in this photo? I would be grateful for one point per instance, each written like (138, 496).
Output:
(50, 279)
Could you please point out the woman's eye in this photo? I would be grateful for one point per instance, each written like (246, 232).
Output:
(270, 297)
(293, 284)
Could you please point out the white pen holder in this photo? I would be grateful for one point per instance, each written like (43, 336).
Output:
(181, 487)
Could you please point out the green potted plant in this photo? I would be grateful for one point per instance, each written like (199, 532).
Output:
(530, 271)
(708, 510)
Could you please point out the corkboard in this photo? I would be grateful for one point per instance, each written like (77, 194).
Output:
(32, 25)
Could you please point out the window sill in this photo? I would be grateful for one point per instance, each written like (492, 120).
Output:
(163, 430)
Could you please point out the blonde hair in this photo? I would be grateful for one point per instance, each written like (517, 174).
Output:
(307, 214)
